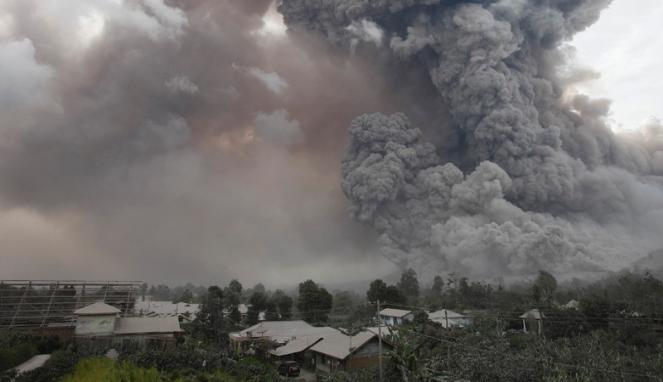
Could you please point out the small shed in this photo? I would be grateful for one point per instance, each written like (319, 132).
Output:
(533, 318)
(395, 317)
(97, 319)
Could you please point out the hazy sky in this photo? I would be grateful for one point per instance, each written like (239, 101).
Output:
(626, 47)
(201, 144)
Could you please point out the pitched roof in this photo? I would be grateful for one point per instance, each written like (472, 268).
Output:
(98, 308)
(147, 325)
(283, 331)
(533, 314)
(389, 312)
(297, 345)
(385, 330)
(440, 314)
(340, 346)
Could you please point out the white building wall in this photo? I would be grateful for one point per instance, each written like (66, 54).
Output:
(95, 325)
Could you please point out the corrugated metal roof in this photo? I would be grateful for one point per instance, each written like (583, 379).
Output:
(147, 325)
(98, 308)
(389, 312)
(340, 346)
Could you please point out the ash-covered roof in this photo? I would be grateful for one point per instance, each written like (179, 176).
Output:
(283, 331)
(297, 345)
(440, 314)
(340, 346)
(389, 312)
(98, 308)
(166, 309)
(147, 325)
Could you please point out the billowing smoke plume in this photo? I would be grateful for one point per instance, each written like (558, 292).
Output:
(518, 176)
(173, 140)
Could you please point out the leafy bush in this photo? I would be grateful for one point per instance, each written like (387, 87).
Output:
(18, 347)
(15, 355)
(61, 363)
(178, 358)
(107, 370)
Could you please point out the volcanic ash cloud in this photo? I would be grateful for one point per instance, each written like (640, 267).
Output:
(518, 177)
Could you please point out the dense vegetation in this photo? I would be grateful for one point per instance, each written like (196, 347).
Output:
(18, 347)
(613, 330)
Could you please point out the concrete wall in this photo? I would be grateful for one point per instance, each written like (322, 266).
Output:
(95, 325)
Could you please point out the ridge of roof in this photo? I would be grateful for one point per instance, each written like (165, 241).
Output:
(391, 312)
(341, 346)
(98, 308)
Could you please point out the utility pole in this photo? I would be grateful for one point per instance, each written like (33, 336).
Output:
(379, 340)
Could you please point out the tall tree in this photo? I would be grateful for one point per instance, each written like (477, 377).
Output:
(257, 305)
(376, 291)
(389, 295)
(314, 302)
(235, 287)
(409, 285)
(438, 286)
(209, 322)
(233, 294)
(544, 287)
(283, 303)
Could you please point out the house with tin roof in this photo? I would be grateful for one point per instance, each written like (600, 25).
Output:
(395, 317)
(101, 323)
(450, 319)
(339, 351)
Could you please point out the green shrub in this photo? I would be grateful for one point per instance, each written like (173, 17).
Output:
(17, 347)
(15, 355)
(61, 363)
(107, 370)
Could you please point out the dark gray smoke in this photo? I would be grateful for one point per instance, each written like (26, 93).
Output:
(518, 177)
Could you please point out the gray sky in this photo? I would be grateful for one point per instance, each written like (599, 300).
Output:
(174, 145)
(626, 47)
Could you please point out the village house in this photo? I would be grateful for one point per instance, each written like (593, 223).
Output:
(274, 334)
(450, 319)
(101, 323)
(323, 349)
(395, 317)
(342, 352)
